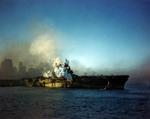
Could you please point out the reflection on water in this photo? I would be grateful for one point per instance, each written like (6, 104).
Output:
(42, 103)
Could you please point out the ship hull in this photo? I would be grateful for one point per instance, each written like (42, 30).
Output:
(91, 82)
(103, 82)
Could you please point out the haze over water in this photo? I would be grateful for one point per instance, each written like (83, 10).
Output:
(101, 36)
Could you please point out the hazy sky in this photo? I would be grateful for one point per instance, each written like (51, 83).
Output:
(102, 34)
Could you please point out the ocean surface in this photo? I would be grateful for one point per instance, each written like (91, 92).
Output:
(44, 103)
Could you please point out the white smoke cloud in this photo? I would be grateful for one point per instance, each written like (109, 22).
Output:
(37, 51)
(62, 69)
(57, 62)
(44, 48)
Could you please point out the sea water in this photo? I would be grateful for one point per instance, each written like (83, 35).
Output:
(45, 103)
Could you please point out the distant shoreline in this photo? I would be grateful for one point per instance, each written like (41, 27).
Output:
(11, 82)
